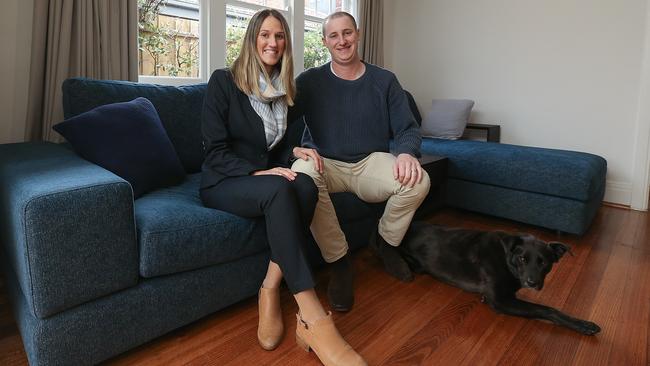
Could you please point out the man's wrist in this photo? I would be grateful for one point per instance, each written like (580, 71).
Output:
(407, 153)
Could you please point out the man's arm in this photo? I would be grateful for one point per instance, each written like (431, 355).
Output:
(405, 130)
(406, 135)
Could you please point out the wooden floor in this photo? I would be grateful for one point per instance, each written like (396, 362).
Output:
(428, 323)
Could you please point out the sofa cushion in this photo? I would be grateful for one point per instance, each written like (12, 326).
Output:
(179, 109)
(560, 173)
(552, 212)
(177, 233)
(128, 139)
(446, 118)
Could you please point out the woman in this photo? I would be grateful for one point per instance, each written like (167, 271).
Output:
(244, 121)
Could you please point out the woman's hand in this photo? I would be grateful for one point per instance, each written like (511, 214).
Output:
(305, 153)
(283, 172)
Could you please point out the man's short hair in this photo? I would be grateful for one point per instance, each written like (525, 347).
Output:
(339, 14)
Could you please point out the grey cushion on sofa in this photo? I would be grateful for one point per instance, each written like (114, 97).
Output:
(446, 118)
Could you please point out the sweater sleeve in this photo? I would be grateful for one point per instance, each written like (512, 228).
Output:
(218, 155)
(405, 130)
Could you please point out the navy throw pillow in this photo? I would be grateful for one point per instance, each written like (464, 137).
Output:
(129, 140)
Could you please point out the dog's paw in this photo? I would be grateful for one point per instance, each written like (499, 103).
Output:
(586, 327)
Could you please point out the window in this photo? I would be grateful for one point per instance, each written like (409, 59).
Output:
(321, 8)
(182, 41)
(168, 39)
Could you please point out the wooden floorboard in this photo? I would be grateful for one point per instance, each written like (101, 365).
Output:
(425, 322)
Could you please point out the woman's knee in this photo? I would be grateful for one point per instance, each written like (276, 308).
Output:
(306, 188)
(302, 188)
(281, 186)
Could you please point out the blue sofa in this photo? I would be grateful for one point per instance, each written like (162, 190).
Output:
(93, 272)
(556, 189)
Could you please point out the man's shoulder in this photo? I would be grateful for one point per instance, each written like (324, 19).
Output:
(312, 79)
(314, 72)
(379, 72)
(383, 79)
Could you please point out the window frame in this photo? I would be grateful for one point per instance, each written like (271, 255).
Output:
(212, 35)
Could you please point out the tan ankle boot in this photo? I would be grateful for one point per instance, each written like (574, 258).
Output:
(270, 326)
(326, 341)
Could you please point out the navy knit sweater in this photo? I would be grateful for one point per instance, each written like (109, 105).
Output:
(349, 119)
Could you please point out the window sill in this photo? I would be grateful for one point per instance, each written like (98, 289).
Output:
(169, 80)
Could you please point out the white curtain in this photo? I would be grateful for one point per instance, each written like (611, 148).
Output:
(89, 38)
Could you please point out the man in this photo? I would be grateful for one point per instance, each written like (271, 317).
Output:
(352, 110)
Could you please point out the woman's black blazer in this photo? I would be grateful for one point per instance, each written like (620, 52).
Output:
(233, 134)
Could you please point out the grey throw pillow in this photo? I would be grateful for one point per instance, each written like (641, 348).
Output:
(446, 118)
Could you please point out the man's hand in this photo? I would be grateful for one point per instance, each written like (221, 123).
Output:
(283, 172)
(305, 153)
(407, 170)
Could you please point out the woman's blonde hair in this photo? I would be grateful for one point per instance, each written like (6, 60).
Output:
(247, 67)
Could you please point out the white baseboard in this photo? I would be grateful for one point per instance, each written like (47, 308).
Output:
(618, 192)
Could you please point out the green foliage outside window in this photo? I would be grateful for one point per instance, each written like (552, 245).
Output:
(316, 53)
(234, 35)
(164, 49)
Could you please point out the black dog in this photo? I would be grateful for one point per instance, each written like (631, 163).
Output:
(493, 264)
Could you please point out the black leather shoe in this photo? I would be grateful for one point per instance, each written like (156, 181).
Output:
(394, 264)
(340, 291)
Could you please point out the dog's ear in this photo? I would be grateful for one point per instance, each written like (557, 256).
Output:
(510, 242)
(559, 249)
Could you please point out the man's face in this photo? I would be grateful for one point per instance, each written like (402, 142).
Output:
(342, 40)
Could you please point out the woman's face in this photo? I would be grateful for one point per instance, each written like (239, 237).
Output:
(271, 43)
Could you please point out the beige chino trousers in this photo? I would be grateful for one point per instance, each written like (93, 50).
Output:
(371, 179)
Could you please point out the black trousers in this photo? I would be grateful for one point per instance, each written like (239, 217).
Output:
(287, 207)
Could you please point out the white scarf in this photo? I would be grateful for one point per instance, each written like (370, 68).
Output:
(272, 109)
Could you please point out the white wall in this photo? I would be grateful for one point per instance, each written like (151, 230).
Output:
(556, 73)
(15, 39)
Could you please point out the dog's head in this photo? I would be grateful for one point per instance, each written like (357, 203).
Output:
(530, 259)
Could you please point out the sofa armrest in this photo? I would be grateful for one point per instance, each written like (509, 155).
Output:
(66, 226)
(493, 131)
